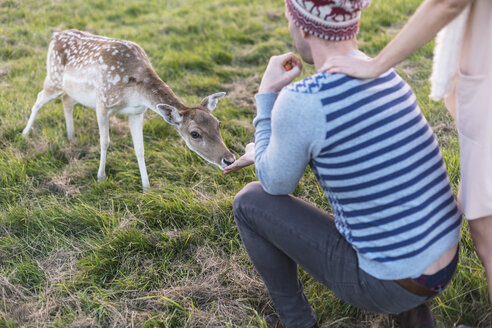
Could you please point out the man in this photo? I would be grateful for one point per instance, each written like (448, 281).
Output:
(392, 243)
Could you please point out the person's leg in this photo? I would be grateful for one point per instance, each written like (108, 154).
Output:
(280, 232)
(418, 317)
(481, 233)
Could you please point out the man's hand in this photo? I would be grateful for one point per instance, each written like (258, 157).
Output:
(281, 71)
(246, 160)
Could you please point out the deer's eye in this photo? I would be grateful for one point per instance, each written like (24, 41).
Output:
(195, 135)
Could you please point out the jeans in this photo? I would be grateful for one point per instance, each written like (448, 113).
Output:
(281, 232)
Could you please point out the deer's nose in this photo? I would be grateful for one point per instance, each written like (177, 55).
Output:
(228, 160)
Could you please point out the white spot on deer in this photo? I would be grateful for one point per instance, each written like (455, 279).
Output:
(114, 52)
(115, 79)
(125, 79)
(112, 68)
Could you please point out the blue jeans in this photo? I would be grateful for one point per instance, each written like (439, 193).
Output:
(281, 232)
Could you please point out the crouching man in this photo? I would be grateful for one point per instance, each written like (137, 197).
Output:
(392, 244)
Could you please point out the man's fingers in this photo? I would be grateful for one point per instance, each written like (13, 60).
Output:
(233, 168)
(243, 161)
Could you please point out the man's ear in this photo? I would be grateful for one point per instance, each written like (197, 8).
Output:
(304, 34)
(211, 101)
(170, 114)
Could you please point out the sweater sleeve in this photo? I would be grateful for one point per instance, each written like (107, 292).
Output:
(285, 140)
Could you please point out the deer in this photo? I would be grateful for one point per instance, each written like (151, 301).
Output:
(116, 77)
(320, 3)
(339, 14)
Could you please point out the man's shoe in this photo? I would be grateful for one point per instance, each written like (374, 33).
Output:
(273, 321)
(418, 317)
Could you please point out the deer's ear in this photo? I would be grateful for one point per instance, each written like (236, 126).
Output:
(210, 102)
(170, 114)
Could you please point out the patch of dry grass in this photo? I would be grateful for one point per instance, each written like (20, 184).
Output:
(77, 253)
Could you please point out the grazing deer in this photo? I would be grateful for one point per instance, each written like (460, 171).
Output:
(115, 76)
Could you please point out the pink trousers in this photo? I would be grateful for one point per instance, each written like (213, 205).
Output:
(474, 113)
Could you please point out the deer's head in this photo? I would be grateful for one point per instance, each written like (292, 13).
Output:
(200, 129)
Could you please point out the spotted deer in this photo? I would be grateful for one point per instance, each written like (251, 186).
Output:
(116, 77)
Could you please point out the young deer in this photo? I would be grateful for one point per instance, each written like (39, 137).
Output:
(115, 76)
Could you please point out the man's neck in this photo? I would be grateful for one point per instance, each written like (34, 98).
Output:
(322, 50)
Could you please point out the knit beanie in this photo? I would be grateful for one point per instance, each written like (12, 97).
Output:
(327, 19)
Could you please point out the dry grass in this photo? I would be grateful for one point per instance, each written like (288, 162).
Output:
(77, 253)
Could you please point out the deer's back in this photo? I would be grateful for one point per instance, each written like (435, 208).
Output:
(97, 66)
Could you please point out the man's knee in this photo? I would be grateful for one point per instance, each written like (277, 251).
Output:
(250, 194)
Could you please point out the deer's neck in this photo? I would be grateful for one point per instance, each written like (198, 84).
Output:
(158, 92)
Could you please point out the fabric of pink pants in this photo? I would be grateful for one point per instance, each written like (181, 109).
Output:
(474, 113)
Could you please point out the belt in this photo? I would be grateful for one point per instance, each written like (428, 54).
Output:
(416, 288)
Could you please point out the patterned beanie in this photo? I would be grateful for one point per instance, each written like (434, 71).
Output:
(334, 20)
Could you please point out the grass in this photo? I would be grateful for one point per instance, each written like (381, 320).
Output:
(77, 253)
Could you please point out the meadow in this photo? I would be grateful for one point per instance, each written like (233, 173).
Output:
(78, 253)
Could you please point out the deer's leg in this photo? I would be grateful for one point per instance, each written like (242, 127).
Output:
(136, 127)
(68, 104)
(103, 122)
(44, 97)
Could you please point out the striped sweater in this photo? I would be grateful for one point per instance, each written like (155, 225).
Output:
(377, 160)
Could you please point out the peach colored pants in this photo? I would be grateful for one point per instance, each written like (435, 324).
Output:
(474, 113)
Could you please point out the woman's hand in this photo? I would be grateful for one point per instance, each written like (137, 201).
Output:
(360, 68)
(246, 160)
(281, 71)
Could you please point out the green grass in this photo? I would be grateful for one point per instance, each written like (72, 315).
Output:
(77, 253)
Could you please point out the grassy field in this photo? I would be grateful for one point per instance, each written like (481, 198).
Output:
(77, 253)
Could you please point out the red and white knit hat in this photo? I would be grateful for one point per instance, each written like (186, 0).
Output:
(328, 19)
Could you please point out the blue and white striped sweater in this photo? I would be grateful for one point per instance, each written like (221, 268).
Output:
(377, 160)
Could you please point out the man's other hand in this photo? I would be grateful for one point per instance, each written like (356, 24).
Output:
(281, 71)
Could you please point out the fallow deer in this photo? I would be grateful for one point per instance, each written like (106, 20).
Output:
(115, 76)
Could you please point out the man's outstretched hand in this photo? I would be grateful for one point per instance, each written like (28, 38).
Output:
(246, 160)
